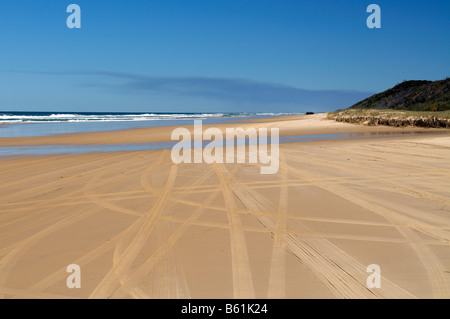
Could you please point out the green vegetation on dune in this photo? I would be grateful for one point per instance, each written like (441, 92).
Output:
(392, 118)
(411, 103)
(390, 113)
(412, 96)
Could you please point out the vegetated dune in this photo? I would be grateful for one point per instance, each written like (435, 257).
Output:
(394, 118)
(412, 96)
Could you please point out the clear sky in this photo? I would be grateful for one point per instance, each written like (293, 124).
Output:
(215, 56)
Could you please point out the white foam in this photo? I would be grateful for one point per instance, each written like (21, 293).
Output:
(6, 118)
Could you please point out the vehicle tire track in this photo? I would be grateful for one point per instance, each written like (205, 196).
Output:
(405, 190)
(110, 281)
(344, 276)
(242, 276)
(129, 282)
(8, 262)
(277, 277)
(435, 270)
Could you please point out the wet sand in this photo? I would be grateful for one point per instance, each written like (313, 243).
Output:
(289, 125)
(142, 227)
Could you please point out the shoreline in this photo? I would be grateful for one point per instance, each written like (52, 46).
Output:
(54, 150)
(288, 126)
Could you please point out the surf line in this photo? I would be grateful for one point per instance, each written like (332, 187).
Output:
(258, 142)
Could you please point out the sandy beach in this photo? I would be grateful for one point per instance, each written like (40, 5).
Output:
(289, 125)
(140, 226)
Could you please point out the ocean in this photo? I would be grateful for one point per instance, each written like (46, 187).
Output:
(25, 124)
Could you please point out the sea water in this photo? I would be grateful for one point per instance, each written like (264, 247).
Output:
(26, 124)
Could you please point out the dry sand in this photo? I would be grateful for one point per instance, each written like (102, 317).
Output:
(142, 227)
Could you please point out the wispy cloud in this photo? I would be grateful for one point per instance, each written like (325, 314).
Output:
(222, 89)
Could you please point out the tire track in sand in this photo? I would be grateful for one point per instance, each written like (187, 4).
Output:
(341, 273)
(180, 289)
(25, 244)
(103, 202)
(112, 278)
(8, 262)
(277, 277)
(435, 270)
(61, 274)
(45, 219)
(242, 276)
(400, 188)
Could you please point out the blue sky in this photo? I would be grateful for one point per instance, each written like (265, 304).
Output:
(214, 56)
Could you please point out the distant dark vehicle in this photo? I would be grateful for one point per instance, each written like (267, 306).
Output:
(309, 113)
